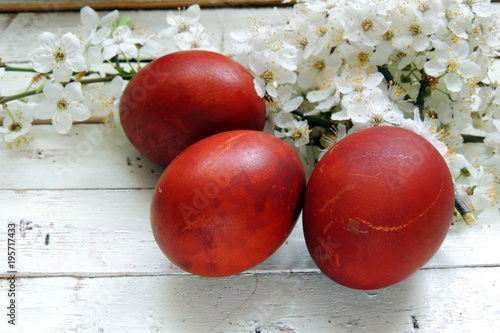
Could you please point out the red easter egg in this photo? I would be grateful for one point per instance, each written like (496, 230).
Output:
(184, 97)
(377, 207)
(227, 202)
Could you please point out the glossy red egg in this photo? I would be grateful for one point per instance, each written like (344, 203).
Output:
(377, 207)
(227, 202)
(184, 97)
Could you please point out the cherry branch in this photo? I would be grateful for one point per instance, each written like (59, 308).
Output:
(107, 78)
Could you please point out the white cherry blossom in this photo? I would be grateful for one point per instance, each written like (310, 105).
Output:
(122, 42)
(181, 22)
(63, 105)
(364, 22)
(325, 94)
(279, 107)
(426, 128)
(94, 31)
(298, 130)
(413, 28)
(104, 98)
(332, 139)
(370, 110)
(460, 17)
(357, 80)
(454, 63)
(196, 38)
(268, 75)
(61, 55)
(18, 121)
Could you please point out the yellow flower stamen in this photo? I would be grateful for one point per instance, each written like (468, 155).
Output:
(414, 29)
(367, 25)
(59, 55)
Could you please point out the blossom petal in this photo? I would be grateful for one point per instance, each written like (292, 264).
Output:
(272, 90)
(76, 61)
(62, 72)
(193, 13)
(168, 32)
(79, 111)
(306, 79)
(434, 68)
(402, 41)
(110, 51)
(460, 50)
(341, 115)
(317, 95)
(94, 57)
(343, 86)
(53, 91)
(47, 40)
(373, 80)
(453, 82)
(74, 91)
(129, 49)
(288, 76)
(259, 85)
(43, 63)
(293, 104)
(469, 69)
(89, 18)
(100, 35)
(109, 18)
(420, 42)
(115, 87)
(328, 103)
(256, 64)
(62, 122)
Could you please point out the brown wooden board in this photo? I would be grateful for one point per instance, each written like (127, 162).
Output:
(61, 5)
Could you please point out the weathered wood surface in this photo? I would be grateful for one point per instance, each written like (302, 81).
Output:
(434, 300)
(107, 232)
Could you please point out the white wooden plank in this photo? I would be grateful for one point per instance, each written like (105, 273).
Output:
(5, 20)
(436, 300)
(18, 38)
(90, 156)
(12, 83)
(103, 232)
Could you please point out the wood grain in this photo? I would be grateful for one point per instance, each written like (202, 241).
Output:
(102, 232)
(455, 300)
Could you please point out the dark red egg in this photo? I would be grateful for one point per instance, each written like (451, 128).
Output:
(227, 202)
(377, 207)
(186, 96)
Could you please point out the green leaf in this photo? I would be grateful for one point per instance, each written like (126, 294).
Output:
(122, 71)
(39, 89)
(124, 20)
(428, 92)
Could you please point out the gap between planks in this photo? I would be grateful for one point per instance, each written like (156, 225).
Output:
(86, 275)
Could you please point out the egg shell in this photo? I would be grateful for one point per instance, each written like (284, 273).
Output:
(183, 97)
(377, 207)
(227, 202)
